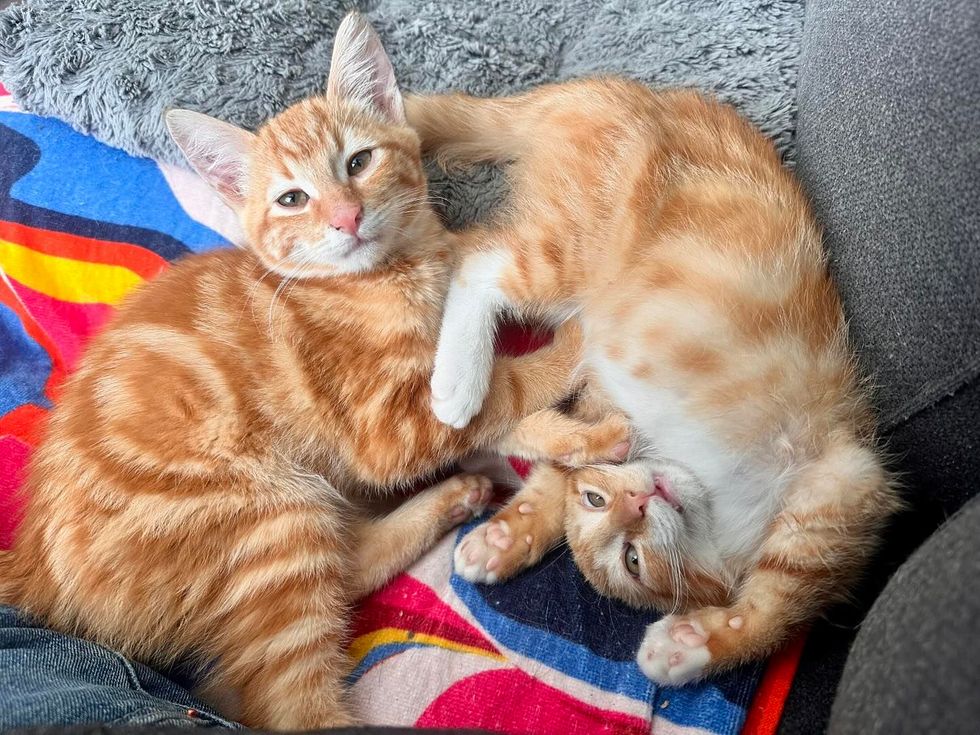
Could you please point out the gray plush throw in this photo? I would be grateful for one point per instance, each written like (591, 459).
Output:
(110, 67)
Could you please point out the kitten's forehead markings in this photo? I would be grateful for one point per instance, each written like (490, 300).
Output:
(335, 137)
(297, 177)
(288, 144)
(587, 487)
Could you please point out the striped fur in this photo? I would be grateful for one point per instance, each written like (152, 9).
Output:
(667, 225)
(197, 493)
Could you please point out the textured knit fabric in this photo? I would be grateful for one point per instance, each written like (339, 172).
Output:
(889, 100)
(111, 67)
(913, 668)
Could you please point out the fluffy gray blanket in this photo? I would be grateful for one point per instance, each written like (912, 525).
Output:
(110, 67)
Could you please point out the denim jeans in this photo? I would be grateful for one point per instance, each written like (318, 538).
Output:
(48, 678)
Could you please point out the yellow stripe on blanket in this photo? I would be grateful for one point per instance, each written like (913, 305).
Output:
(67, 279)
(363, 645)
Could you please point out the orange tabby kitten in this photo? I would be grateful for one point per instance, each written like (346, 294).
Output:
(192, 494)
(666, 223)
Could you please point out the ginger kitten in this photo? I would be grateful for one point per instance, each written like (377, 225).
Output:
(193, 493)
(667, 225)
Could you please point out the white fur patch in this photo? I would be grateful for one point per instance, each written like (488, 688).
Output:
(464, 358)
(672, 660)
(743, 493)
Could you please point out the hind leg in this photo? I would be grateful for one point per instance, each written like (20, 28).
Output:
(281, 648)
(814, 552)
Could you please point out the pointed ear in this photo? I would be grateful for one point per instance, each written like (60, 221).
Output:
(217, 150)
(360, 71)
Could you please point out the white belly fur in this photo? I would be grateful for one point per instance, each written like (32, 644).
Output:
(744, 493)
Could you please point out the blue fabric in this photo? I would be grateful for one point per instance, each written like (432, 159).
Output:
(24, 365)
(48, 678)
(549, 613)
(111, 190)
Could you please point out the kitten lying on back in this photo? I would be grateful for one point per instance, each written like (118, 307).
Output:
(667, 225)
(192, 494)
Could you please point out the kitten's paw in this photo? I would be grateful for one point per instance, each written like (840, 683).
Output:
(458, 390)
(606, 441)
(674, 651)
(490, 553)
(467, 496)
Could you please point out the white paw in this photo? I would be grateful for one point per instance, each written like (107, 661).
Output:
(479, 554)
(464, 357)
(458, 389)
(674, 651)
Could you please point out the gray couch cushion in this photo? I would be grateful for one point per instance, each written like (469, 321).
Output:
(889, 149)
(914, 667)
(889, 106)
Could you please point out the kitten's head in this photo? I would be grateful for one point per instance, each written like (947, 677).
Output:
(634, 530)
(333, 184)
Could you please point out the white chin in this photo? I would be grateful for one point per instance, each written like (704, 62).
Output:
(363, 259)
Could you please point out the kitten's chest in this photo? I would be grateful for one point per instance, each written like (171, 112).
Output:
(404, 308)
(744, 490)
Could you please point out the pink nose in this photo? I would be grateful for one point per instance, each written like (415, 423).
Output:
(636, 503)
(347, 218)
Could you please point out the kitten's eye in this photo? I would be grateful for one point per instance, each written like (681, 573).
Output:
(632, 560)
(594, 499)
(357, 162)
(293, 198)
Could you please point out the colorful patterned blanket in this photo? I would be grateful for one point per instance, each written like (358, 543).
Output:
(81, 224)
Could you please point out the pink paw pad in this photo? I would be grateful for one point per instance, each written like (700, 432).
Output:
(688, 635)
(498, 536)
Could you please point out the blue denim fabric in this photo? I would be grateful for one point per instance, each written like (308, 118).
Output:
(48, 678)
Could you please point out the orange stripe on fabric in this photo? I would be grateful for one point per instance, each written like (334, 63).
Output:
(25, 422)
(67, 279)
(145, 263)
(361, 646)
(770, 698)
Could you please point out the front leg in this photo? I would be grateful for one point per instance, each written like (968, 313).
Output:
(553, 436)
(464, 357)
(387, 546)
(519, 534)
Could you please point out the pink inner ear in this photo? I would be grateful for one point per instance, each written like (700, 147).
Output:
(222, 174)
(226, 179)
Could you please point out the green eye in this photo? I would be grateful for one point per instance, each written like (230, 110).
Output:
(632, 560)
(293, 198)
(594, 499)
(357, 162)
